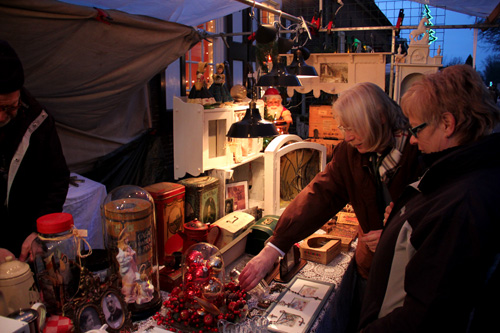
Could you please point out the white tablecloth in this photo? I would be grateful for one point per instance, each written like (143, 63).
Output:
(83, 202)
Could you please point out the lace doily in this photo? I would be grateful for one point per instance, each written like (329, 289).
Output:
(331, 273)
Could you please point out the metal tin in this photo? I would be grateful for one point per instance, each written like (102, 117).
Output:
(261, 231)
(202, 199)
(136, 215)
(169, 201)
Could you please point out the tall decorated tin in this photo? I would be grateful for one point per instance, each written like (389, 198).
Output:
(169, 201)
(202, 199)
(130, 239)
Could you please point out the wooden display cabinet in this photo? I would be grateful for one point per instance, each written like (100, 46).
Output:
(201, 146)
(200, 141)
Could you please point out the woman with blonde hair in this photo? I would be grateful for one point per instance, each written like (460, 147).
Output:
(369, 169)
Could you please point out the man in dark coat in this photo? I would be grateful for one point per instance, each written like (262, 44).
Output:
(34, 177)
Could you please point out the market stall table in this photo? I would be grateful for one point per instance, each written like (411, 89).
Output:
(83, 202)
(331, 273)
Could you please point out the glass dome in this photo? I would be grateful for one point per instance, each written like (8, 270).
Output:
(203, 272)
(130, 239)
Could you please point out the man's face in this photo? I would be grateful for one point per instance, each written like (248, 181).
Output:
(110, 302)
(9, 105)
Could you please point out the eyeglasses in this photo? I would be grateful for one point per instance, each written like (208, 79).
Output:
(344, 129)
(10, 108)
(414, 130)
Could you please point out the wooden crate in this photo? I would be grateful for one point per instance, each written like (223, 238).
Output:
(329, 144)
(322, 124)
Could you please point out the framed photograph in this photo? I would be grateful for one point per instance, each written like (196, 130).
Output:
(113, 307)
(298, 305)
(239, 193)
(88, 318)
(334, 73)
(229, 206)
(97, 304)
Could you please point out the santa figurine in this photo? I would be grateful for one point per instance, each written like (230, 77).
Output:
(281, 115)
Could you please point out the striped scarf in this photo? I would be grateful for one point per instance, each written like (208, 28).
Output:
(391, 160)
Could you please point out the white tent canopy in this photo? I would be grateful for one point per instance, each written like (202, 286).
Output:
(194, 12)
(188, 12)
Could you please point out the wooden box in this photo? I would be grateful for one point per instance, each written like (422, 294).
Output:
(322, 124)
(235, 249)
(329, 144)
(169, 208)
(231, 226)
(347, 218)
(202, 199)
(345, 232)
(320, 248)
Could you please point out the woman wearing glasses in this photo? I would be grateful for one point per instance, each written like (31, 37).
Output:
(369, 169)
(435, 265)
(34, 177)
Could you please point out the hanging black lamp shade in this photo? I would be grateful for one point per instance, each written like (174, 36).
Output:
(266, 33)
(278, 77)
(252, 125)
(299, 67)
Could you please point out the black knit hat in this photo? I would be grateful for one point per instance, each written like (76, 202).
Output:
(11, 69)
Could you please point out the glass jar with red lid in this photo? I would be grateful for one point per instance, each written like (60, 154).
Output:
(55, 253)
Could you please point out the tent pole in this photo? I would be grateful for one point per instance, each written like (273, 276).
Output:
(474, 48)
(391, 73)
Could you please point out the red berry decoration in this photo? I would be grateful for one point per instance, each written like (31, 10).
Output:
(208, 319)
(184, 314)
(232, 306)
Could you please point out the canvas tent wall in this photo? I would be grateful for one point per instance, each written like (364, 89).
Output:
(90, 68)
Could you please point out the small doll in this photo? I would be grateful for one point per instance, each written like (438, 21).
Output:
(199, 93)
(219, 89)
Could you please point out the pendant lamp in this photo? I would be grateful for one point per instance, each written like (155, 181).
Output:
(278, 77)
(252, 125)
(299, 67)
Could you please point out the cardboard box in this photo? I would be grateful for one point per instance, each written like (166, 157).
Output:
(231, 226)
(322, 124)
(320, 248)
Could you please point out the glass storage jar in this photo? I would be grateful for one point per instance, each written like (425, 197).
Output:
(55, 252)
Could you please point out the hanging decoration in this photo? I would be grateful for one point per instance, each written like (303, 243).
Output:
(432, 33)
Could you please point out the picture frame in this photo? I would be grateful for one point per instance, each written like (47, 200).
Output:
(95, 303)
(228, 206)
(114, 308)
(239, 193)
(88, 318)
(298, 305)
